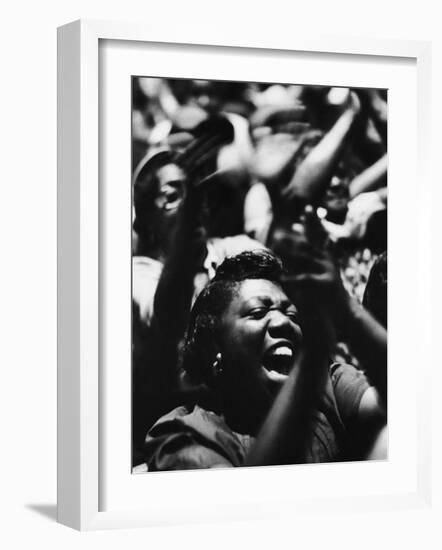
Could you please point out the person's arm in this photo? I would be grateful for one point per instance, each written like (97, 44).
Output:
(286, 431)
(314, 172)
(174, 293)
(377, 108)
(313, 270)
(371, 178)
(379, 448)
(360, 210)
(361, 411)
(368, 341)
(367, 337)
(383, 194)
(274, 155)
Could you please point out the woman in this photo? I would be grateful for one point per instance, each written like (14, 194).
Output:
(274, 398)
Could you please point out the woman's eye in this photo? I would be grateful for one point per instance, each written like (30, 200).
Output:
(292, 315)
(258, 313)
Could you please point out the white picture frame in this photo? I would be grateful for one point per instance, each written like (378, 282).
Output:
(80, 292)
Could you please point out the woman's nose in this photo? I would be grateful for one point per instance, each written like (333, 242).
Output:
(279, 321)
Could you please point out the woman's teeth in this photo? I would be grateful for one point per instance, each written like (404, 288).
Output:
(283, 351)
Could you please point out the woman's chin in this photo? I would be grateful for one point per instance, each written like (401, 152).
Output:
(274, 378)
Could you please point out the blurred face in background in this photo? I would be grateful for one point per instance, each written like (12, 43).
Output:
(336, 196)
(169, 194)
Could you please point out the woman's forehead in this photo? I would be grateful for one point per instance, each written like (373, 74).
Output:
(169, 173)
(251, 289)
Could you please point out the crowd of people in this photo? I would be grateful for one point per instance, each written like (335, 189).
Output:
(259, 274)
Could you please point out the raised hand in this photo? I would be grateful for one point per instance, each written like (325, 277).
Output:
(199, 158)
(312, 279)
(314, 172)
(360, 210)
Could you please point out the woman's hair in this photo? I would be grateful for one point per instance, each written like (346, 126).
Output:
(200, 347)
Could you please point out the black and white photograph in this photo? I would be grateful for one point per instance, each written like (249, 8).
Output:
(259, 274)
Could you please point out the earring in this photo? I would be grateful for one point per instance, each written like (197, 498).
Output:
(217, 367)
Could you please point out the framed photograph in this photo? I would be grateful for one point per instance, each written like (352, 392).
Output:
(222, 275)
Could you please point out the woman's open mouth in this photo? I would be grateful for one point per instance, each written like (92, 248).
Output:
(279, 357)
